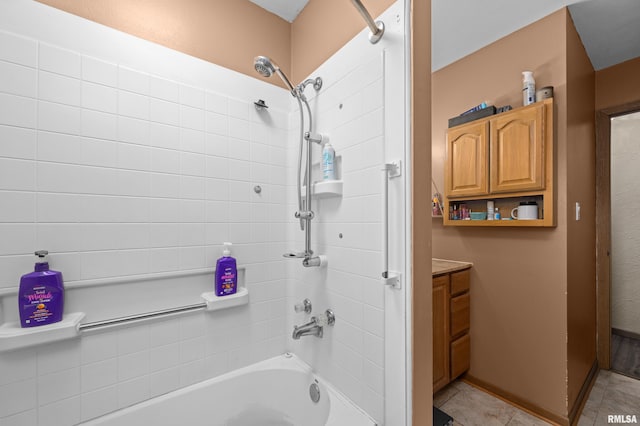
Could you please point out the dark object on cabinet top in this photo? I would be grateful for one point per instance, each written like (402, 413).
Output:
(481, 113)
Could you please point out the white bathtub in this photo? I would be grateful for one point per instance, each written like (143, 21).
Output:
(274, 392)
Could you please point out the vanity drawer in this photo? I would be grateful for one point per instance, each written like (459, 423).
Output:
(460, 355)
(460, 314)
(460, 281)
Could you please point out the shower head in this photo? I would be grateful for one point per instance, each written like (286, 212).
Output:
(266, 67)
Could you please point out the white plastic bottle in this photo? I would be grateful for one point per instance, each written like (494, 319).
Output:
(328, 162)
(528, 88)
(490, 210)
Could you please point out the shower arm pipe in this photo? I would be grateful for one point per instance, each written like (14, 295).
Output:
(377, 27)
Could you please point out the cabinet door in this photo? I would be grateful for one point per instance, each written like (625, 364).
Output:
(517, 150)
(467, 154)
(440, 331)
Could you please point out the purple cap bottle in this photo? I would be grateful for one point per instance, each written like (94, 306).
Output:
(41, 294)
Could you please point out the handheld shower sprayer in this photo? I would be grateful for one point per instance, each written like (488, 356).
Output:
(266, 67)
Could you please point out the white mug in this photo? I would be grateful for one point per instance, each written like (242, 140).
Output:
(525, 212)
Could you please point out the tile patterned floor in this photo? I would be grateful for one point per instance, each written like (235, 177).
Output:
(611, 394)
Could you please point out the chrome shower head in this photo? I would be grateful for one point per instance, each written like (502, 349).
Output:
(266, 67)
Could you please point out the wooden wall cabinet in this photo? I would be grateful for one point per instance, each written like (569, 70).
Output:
(451, 324)
(506, 158)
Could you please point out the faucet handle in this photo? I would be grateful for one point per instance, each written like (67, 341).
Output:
(327, 318)
(304, 306)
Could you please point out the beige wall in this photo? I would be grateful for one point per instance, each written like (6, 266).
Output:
(618, 85)
(519, 278)
(231, 33)
(581, 255)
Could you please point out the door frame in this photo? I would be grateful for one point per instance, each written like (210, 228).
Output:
(603, 227)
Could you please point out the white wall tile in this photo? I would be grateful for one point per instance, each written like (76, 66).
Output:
(59, 61)
(17, 111)
(61, 413)
(192, 118)
(98, 347)
(165, 259)
(133, 81)
(164, 136)
(238, 129)
(99, 71)
(17, 238)
(17, 142)
(133, 391)
(17, 366)
(19, 50)
(58, 356)
(164, 381)
(134, 157)
(164, 112)
(59, 118)
(59, 88)
(165, 161)
(133, 105)
(192, 140)
(18, 80)
(57, 386)
(99, 97)
(17, 397)
(238, 109)
(216, 103)
(98, 374)
(192, 96)
(134, 131)
(133, 339)
(165, 185)
(164, 89)
(99, 402)
(97, 152)
(17, 206)
(217, 123)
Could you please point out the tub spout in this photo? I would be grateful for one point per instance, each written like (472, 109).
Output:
(312, 328)
(315, 326)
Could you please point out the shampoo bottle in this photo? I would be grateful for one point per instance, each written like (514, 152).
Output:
(328, 162)
(528, 88)
(41, 294)
(226, 273)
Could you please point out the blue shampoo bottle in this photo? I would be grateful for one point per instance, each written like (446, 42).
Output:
(226, 273)
(41, 294)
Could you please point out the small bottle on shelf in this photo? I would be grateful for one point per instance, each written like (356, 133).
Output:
(496, 214)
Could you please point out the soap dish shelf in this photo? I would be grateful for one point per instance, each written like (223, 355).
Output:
(215, 303)
(13, 336)
(324, 189)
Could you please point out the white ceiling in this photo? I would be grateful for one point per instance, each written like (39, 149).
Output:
(286, 9)
(610, 30)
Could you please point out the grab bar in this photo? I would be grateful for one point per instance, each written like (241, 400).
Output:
(377, 27)
(140, 317)
(391, 170)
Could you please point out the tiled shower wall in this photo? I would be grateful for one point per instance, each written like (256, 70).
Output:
(119, 173)
(348, 230)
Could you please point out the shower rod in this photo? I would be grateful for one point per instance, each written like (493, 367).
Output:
(377, 27)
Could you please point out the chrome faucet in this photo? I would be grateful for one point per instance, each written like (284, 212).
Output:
(315, 326)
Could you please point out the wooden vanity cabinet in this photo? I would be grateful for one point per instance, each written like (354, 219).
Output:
(451, 324)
